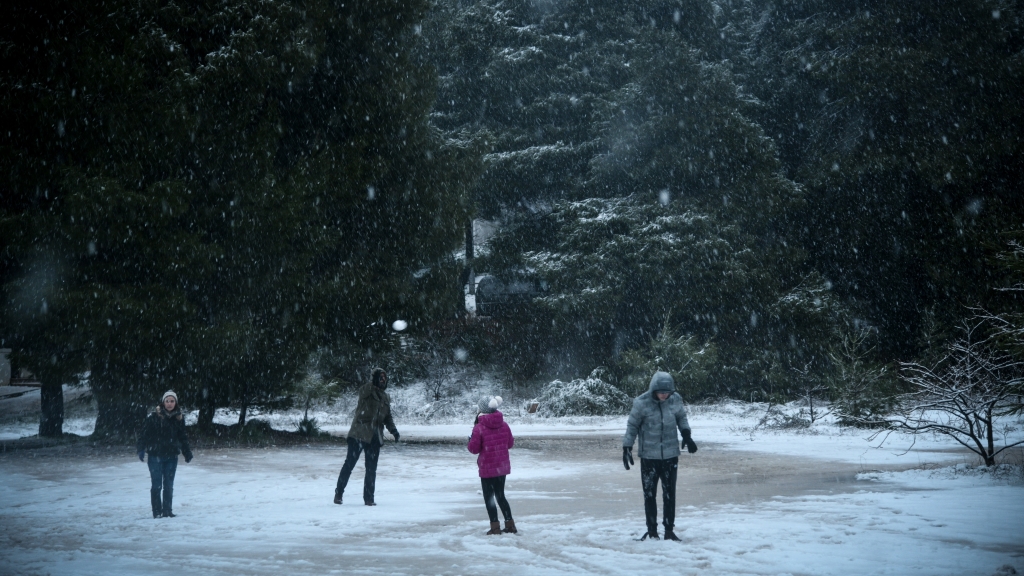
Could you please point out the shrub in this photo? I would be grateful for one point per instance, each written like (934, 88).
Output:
(583, 397)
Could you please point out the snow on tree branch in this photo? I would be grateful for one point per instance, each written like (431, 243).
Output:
(963, 394)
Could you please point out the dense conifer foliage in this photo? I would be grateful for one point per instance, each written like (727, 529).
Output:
(903, 121)
(205, 195)
(854, 165)
(197, 195)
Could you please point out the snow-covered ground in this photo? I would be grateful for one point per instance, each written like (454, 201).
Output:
(823, 500)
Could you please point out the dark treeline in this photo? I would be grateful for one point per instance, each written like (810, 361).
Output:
(773, 191)
(201, 195)
(766, 199)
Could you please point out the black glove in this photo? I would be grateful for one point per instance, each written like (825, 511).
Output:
(397, 435)
(627, 456)
(142, 455)
(691, 446)
(188, 458)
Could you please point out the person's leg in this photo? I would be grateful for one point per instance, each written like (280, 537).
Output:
(506, 510)
(370, 480)
(354, 448)
(669, 471)
(499, 496)
(649, 481)
(487, 487)
(169, 467)
(156, 482)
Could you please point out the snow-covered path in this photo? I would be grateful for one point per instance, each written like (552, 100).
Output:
(270, 512)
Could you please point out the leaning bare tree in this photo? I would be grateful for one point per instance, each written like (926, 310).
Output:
(962, 395)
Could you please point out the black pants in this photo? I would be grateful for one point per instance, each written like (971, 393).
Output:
(372, 450)
(650, 472)
(494, 490)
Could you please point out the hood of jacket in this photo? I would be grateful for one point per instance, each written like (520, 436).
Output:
(492, 420)
(662, 382)
(373, 391)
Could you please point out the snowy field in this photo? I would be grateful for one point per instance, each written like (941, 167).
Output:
(751, 501)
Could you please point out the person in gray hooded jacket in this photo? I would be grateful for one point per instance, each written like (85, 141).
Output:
(653, 421)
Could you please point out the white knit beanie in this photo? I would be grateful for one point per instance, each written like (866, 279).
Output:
(171, 394)
(489, 404)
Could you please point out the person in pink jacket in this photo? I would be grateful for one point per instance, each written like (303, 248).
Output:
(491, 440)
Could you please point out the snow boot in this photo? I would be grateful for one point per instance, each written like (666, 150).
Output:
(337, 497)
(495, 529)
(670, 535)
(154, 501)
(168, 502)
(652, 534)
(510, 527)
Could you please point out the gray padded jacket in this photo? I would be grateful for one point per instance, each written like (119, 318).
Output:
(655, 422)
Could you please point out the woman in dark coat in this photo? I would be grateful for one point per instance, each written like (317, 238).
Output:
(163, 438)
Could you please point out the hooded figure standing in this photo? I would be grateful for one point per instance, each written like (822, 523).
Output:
(491, 440)
(373, 413)
(653, 421)
(163, 438)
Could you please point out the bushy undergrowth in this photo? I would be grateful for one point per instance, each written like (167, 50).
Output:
(582, 397)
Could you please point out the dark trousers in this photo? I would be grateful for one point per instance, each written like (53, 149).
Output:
(372, 450)
(494, 496)
(651, 471)
(161, 472)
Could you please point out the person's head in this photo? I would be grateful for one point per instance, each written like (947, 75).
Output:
(662, 386)
(379, 378)
(489, 404)
(169, 401)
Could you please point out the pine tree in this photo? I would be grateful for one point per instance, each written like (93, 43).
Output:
(902, 121)
(175, 174)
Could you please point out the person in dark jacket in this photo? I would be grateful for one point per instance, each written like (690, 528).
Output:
(653, 421)
(163, 437)
(373, 413)
(491, 440)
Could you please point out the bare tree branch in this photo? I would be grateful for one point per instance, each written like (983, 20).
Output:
(961, 394)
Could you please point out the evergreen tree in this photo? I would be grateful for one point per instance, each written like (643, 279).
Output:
(695, 232)
(173, 173)
(903, 122)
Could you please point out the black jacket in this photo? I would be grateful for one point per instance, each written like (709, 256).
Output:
(163, 434)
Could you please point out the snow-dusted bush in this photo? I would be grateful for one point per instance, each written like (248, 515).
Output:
(583, 397)
(444, 410)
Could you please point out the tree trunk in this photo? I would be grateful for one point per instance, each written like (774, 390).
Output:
(118, 417)
(206, 412)
(51, 413)
(990, 459)
(245, 405)
(119, 414)
(469, 257)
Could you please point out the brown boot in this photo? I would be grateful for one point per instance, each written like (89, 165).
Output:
(510, 527)
(495, 528)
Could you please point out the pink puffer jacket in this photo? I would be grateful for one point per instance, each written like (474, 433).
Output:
(491, 439)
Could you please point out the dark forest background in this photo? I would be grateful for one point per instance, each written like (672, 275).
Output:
(767, 199)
